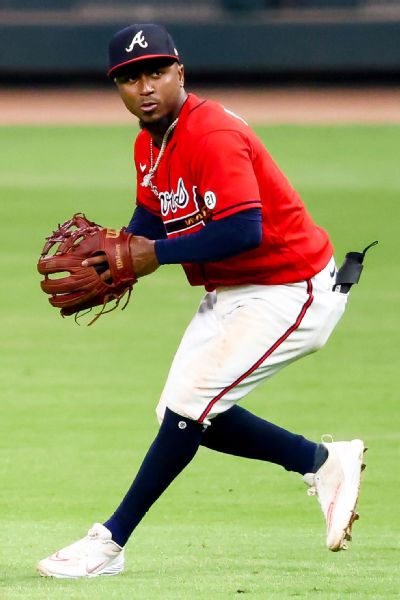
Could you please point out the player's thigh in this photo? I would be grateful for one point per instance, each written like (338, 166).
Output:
(328, 307)
(251, 338)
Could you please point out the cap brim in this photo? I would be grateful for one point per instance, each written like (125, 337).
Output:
(115, 68)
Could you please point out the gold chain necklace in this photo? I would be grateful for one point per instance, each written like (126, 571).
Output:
(147, 179)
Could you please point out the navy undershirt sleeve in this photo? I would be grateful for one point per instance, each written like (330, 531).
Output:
(216, 241)
(145, 223)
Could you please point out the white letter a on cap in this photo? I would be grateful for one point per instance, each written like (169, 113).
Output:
(138, 39)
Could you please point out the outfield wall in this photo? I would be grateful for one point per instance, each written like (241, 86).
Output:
(236, 48)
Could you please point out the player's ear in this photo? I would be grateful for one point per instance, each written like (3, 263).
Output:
(181, 75)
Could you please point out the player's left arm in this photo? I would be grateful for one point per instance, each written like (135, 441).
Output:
(216, 241)
(144, 222)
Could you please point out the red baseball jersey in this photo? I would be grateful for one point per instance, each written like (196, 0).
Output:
(215, 166)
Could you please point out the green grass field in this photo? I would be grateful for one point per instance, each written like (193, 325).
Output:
(77, 403)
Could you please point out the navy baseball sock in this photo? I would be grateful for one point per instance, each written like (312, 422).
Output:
(237, 431)
(172, 450)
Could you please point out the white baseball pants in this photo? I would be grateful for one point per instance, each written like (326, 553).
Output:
(242, 335)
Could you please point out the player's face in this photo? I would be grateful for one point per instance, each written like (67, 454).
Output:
(152, 92)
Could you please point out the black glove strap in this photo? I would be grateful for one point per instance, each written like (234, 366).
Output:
(350, 271)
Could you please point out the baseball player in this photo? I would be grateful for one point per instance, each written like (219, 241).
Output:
(210, 197)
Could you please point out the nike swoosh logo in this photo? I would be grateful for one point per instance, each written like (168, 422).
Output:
(95, 568)
(331, 507)
(332, 273)
(57, 558)
(143, 167)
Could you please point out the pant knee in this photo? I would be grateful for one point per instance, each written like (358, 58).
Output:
(184, 410)
(160, 411)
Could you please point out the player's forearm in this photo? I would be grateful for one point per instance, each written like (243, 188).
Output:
(218, 240)
(143, 256)
(145, 223)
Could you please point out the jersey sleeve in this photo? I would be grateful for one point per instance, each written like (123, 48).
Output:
(144, 195)
(146, 223)
(222, 163)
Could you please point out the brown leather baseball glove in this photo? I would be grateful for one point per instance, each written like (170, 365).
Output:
(74, 288)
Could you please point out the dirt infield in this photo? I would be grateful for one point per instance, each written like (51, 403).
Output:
(256, 105)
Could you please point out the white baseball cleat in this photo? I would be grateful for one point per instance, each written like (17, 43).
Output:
(337, 485)
(96, 554)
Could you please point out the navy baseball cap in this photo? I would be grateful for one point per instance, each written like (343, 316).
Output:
(139, 42)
